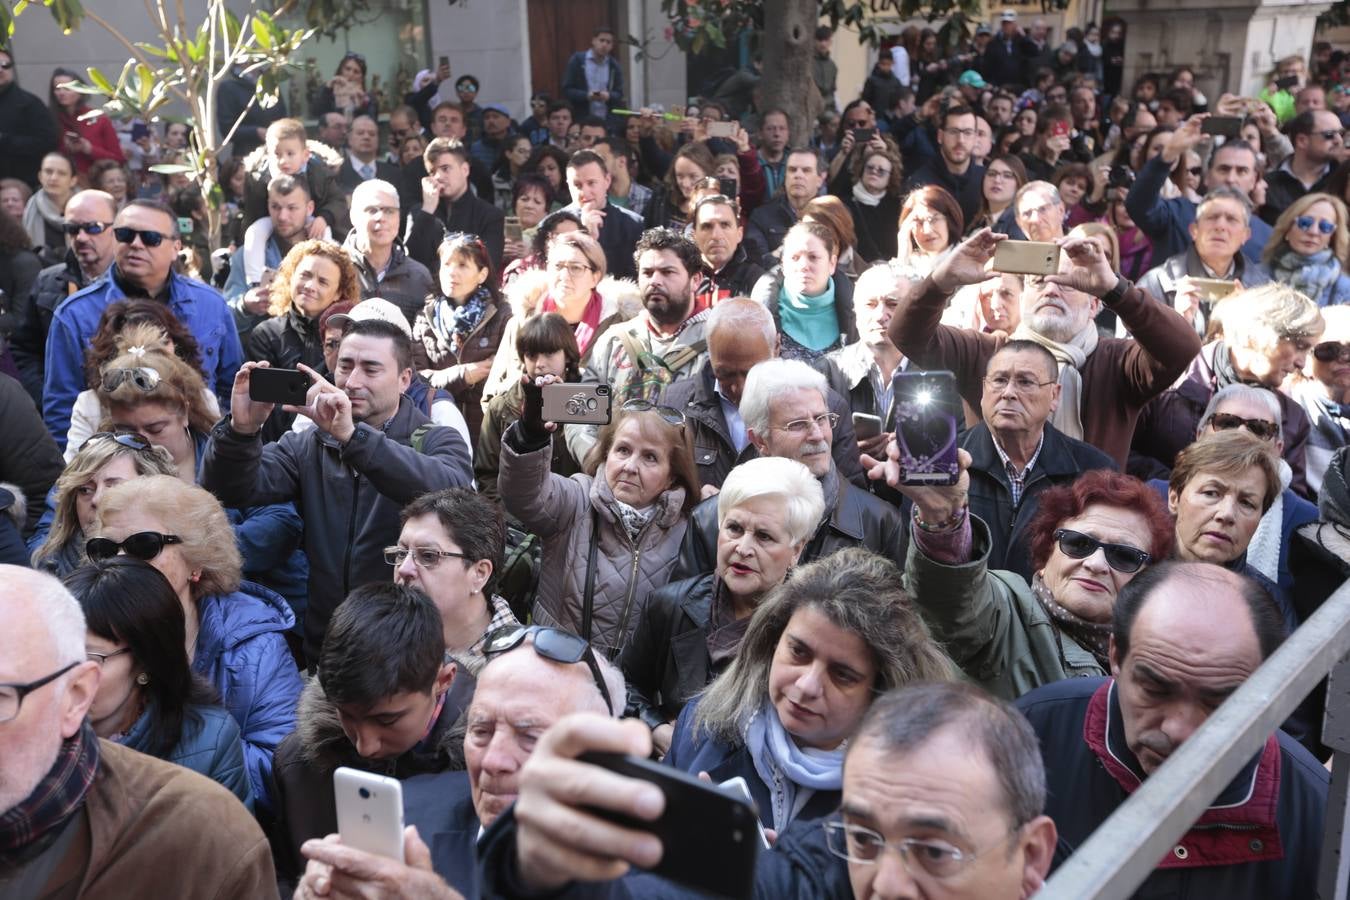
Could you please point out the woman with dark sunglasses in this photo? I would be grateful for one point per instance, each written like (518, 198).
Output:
(1309, 249)
(235, 635)
(148, 697)
(1087, 541)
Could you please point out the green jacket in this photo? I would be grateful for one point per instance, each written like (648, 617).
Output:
(991, 623)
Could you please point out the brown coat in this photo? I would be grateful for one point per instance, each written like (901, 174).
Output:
(447, 368)
(1118, 378)
(153, 829)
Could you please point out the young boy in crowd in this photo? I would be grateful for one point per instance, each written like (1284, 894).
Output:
(286, 152)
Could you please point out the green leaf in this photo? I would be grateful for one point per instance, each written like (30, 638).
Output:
(172, 169)
(152, 50)
(20, 7)
(260, 31)
(100, 80)
(232, 27)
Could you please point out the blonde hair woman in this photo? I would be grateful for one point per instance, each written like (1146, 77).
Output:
(1309, 248)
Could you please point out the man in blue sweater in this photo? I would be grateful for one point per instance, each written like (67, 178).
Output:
(1167, 222)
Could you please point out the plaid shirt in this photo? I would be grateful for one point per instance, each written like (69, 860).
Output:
(1017, 480)
(502, 617)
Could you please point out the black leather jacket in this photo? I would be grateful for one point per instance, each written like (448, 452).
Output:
(667, 662)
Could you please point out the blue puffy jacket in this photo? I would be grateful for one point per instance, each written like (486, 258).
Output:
(241, 650)
(200, 308)
(210, 745)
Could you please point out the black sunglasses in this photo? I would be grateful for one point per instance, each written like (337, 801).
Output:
(550, 643)
(74, 228)
(143, 377)
(128, 439)
(152, 239)
(1332, 351)
(670, 414)
(1121, 557)
(1259, 427)
(143, 545)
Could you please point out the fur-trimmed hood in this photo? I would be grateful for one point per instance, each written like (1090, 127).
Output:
(620, 296)
(324, 746)
(256, 161)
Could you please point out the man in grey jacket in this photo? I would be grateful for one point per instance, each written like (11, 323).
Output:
(370, 453)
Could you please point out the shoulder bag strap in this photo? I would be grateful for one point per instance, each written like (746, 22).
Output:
(588, 599)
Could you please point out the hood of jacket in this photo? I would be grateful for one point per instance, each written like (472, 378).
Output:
(257, 159)
(358, 256)
(618, 296)
(228, 620)
(324, 745)
(669, 503)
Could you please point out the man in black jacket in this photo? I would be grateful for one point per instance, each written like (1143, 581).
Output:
(448, 206)
(786, 410)
(362, 160)
(1318, 137)
(727, 270)
(89, 255)
(27, 129)
(769, 224)
(1016, 454)
(954, 170)
(1003, 58)
(617, 229)
(370, 453)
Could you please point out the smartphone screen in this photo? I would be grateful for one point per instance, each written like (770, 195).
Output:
(927, 414)
(1059, 129)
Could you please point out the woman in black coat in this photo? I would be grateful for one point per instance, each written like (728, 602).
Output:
(874, 203)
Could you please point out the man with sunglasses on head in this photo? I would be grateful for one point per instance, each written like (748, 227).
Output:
(1184, 637)
(369, 709)
(90, 245)
(147, 246)
(533, 677)
(1319, 144)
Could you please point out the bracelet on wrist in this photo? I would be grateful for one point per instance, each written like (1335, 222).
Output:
(951, 524)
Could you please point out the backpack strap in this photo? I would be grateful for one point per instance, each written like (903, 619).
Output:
(680, 357)
(588, 598)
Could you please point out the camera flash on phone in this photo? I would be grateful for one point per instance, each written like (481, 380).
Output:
(923, 398)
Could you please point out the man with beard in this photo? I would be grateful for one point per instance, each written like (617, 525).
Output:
(954, 170)
(352, 473)
(1105, 382)
(664, 342)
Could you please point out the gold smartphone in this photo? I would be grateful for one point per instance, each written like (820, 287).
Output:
(512, 230)
(1214, 288)
(1027, 257)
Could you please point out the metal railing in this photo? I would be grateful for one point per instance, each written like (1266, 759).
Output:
(1125, 849)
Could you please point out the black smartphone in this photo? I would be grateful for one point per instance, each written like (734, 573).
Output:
(278, 386)
(862, 135)
(1287, 82)
(443, 62)
(1223, 126)
(710, 836)
(927, 418)
(1120, 177)
(728, 187)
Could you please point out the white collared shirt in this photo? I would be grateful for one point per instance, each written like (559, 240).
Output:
(735, 424)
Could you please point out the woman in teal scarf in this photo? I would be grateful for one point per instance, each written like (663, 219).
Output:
(1309, 247)
(812, 308)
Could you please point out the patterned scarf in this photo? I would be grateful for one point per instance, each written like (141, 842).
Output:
(725, 631)
(1091, 636)
(1068, 416)
(1312, 275)
(634, 519)
(466, 318)
(37, 820)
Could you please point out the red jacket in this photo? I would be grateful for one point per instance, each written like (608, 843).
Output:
(100, 133)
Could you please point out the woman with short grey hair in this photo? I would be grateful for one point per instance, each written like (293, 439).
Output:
(691, 629)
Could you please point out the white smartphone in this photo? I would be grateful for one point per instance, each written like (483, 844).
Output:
(738, 787)
(369, 812)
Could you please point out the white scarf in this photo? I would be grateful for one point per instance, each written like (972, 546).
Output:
(866, 197)
(1068, 418)
(791, 773)
(39, 212)
(1263, 552)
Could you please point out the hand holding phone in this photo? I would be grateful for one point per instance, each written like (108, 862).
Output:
(369, 812)
(927, 423)
(1027, 257)
(577, 404)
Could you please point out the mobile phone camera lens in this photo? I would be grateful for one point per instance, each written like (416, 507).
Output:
(364, 793)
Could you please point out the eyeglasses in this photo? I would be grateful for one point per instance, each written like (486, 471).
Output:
(1022, 384)
(801, 427)
(1331, 351)
(423, 557)
(11, 695)
(670, 414)
(373, 211)
(1259, 427)
(90, 228)
(1121, 557)
(576, 270)
(1331, 135)
(150, 239)
(129, 439)
(143, 545)
(960, 132)
(102, 658)
(550, 643)
(999, 175)
(877, 170)
(938, 859)
(1196, 171)
(1306, 223)
(143, 377)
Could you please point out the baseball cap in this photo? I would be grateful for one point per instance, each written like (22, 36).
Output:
(1008, 15)
(376, 309)
(497, 108)
(971, 78)
(983, 29)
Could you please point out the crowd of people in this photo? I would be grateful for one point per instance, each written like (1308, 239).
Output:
(213, 602)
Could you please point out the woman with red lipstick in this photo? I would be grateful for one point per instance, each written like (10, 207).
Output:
(820, 647)
(691, 629)
(1088, 540)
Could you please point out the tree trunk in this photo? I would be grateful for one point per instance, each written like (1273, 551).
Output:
(789, 41)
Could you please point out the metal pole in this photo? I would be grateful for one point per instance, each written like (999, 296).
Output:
(1334, 866)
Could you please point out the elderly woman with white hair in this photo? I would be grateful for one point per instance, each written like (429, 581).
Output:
(691, 629)
(1267, 334)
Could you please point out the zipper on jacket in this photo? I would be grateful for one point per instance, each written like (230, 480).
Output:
(351, 536)
(632, 583)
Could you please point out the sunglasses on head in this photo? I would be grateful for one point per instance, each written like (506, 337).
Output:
(550, 643)
(1306, 223)
(1259, 427)
(90, 228)
(129, 439)
(671, 415)
(143, 377)
(126, 235)
(1332, 351)
(143, 545)
(1121, 557)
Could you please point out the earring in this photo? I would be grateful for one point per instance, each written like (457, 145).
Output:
(142, 679)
